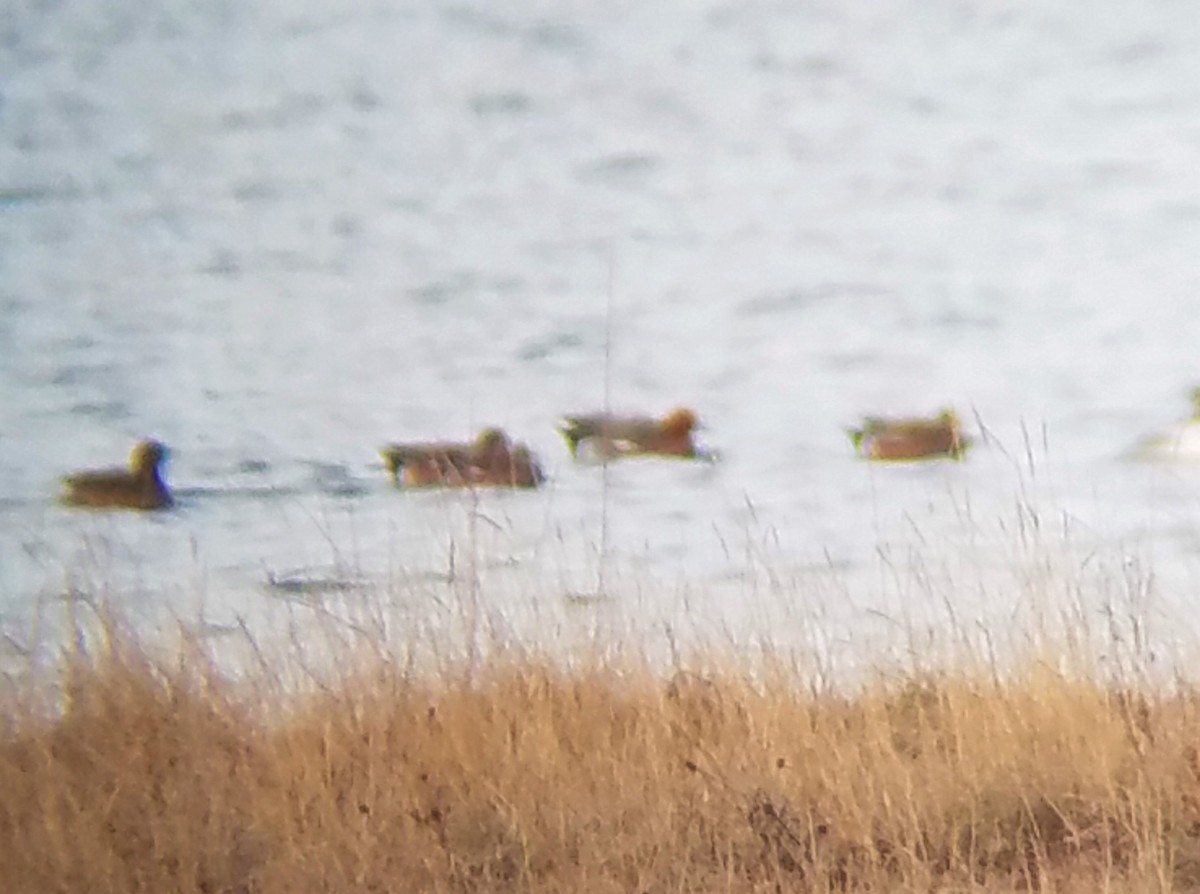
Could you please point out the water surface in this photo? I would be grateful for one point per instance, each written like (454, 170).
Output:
(278, 236)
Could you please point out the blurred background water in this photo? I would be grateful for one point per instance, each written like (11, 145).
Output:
(278, 235)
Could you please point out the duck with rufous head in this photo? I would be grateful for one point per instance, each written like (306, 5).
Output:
(606, 436)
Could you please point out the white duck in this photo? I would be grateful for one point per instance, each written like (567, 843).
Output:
(1180, 442)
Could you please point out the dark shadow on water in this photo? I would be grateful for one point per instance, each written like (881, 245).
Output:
(308, 586)
(335, 480)
(13, 196)
(438, 292)
(788, 300)
(223, 264)
(511, 103)
(188, 495)
(548, 345)
(82, 373)
(111, 410)
(620, 169)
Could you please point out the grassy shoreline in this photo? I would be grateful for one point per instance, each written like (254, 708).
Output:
(153, 774)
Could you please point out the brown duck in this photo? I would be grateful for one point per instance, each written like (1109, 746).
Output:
(139, 487)
(491, 460)
(606, 436)
(910, 438)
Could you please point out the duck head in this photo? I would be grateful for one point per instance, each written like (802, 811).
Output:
(680, 422)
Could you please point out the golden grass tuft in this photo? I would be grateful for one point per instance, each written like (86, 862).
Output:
(156, 776)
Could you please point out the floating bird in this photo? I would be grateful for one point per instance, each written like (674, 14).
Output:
(911, 438)
(514, 467)
(604, 436)
(139, 487)
(445, 463)
(491, 460)
(1180, 442)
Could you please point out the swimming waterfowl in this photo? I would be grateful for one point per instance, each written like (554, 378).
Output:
(910, 438)
(491, 460)
(429, 464)
(605, 436)
(513, 467)
(139, 487)
(1180, 442)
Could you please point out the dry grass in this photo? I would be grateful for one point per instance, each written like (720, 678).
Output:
(153, 776)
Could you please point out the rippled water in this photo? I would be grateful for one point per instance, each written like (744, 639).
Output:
(278, 235)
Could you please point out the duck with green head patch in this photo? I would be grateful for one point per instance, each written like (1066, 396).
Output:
(605, 436)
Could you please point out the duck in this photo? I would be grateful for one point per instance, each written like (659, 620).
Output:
(514, 467)
(912, 438)
(491, 460)
(1180, 442)
(605, 436)
(428, 464)
(141, 486)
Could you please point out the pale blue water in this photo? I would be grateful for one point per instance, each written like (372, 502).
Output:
(278, 235)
